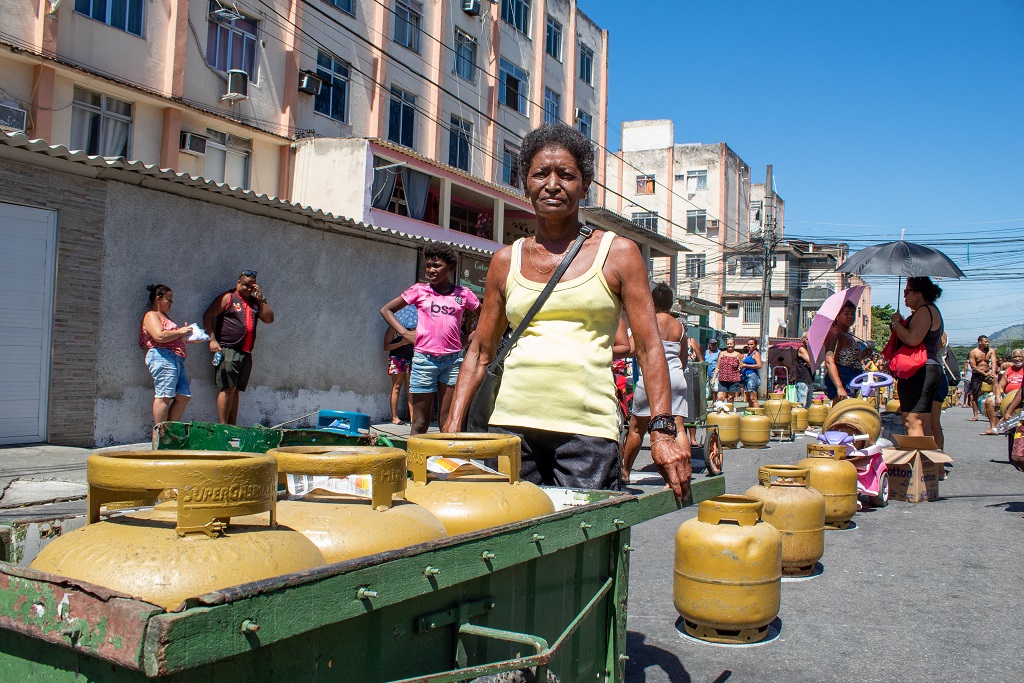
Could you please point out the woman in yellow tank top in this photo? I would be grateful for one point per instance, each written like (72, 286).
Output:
(557, 391)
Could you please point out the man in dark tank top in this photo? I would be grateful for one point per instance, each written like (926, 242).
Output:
(231, 320)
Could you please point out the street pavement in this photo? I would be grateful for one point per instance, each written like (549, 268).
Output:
(916, 592)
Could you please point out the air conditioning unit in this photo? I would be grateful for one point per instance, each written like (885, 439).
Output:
(694, 288)
(756, 231)
(471, 7)
(191, 143)
(578, 113)
(238, 86)
(310, 83)
(12, 118)
(713, 223)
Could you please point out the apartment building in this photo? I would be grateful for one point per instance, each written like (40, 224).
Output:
(248, 93)
(696, 194)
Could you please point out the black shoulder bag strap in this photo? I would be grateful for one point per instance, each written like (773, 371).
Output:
(507, 344)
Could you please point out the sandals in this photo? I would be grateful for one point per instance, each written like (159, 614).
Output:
(989, 432)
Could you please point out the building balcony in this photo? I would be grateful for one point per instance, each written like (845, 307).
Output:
(816, 294)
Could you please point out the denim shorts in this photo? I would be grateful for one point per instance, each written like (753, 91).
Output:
(751, 381)
(168, 370)
(429, 370)
(730, 388)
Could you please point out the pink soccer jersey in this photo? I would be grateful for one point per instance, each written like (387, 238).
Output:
(440, 317)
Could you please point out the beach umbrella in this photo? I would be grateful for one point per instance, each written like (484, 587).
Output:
(823, 319)
(901, 258)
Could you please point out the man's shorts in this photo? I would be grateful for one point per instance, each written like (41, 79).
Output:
(751, 381)
(399, 366)
(234, 369)
(429, 370)
(567, 460)
(977, 379)
(168, 370)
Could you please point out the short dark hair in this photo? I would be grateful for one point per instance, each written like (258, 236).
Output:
(663, 297)
(557, 135)
(982, 336)
(928, 289)
(441, 250)
(157, 291)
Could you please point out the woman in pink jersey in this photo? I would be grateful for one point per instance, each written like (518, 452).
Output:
(165, 356)
(437, 339)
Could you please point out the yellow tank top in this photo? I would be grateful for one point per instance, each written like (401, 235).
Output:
(558, 376)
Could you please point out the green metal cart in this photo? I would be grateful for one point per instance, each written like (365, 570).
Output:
(547, 593)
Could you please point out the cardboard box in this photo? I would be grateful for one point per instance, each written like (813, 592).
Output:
(915, 468)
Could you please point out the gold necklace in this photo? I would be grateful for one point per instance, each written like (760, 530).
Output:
(533, 263)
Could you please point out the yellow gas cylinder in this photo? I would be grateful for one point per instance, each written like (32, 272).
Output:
(892, 405)
(779, 411)
(728, 571)
(1005, 403)
(473, 502)
(728, 428)
(854, 416)
(797, 511)
(800, 416)
(755, 428)
(817, 413)
(346, 526)
(164, 559)
(835, 478)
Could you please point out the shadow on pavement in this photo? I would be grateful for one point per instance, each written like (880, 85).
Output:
(1009, 506)
(643, 657)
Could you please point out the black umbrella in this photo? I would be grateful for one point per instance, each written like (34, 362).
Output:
(901, 258)
(905, 259)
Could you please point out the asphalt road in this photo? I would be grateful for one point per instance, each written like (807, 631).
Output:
(916, 592)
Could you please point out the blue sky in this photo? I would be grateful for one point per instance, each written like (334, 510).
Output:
(876, 116)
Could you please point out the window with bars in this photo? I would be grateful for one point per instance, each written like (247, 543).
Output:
(586, 64)
(123, 14)
(459, 143)
(697, 221)
(510, 165)
(517, 14)
(552, 106)
(513, 86)
(647, 220)
(585, 123)
(752, 312)
(465, 56)
(645, 184)
(553, 38)
(695, 266)
(332, 100)
(401, 117)
(696, 180)
(231, 41)
(408, 23)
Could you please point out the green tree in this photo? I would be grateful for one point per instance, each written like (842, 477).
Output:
(880, 325)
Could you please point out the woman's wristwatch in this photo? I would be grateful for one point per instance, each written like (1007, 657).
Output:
(663, 423)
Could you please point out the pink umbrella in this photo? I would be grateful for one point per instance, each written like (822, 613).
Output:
(824, 318)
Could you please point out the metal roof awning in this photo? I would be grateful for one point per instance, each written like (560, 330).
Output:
(665, 246)
(694, 306)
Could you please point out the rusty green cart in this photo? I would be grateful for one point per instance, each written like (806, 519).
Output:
(548, 593)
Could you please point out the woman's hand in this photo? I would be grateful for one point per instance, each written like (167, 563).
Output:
(895, 318)
(673, 463)
(214, 346)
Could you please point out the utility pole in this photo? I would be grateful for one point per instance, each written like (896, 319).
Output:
(769, 242)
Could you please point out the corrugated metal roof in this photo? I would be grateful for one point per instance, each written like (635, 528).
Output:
(115, 165)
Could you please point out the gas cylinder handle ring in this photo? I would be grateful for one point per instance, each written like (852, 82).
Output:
(505, 447)
(213, 486)
(386, 466)
(787, 472)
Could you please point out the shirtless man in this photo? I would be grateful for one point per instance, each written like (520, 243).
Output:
(983, 363)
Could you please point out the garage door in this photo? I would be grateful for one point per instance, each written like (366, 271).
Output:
(27, 264)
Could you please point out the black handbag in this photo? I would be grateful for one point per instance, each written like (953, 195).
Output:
(482, 405)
